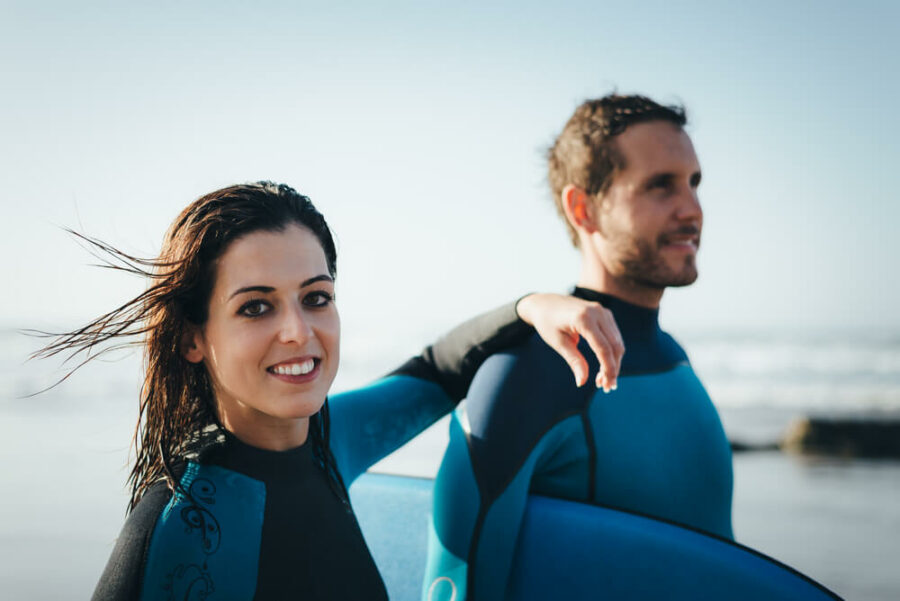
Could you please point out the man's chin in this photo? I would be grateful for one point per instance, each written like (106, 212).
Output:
(682, 282)
(662, 272)
(668, 279)
(684, 275)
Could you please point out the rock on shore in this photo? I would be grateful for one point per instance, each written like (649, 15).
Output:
(846, 437)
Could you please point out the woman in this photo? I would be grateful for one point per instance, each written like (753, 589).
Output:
(239, 488)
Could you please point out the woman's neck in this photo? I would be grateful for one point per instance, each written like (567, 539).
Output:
(271, 434)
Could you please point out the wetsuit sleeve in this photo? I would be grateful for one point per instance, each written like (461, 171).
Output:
(453, 360)
(371, 422)
(122, 578)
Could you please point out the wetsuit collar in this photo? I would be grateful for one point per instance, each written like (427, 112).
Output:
(633, 320)
(261, 464)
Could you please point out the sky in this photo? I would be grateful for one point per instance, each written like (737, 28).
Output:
(419, 129)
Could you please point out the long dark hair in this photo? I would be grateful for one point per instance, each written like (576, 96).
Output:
(177, 404)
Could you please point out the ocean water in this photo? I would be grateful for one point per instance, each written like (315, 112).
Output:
(64, 457)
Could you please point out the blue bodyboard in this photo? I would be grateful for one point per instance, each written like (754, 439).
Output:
(574, 551)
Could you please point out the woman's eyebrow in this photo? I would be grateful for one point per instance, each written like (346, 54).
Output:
(268, 289)
(319, 278)
(263, 289)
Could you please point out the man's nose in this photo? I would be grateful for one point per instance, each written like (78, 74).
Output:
(295, 326)
(689, 206)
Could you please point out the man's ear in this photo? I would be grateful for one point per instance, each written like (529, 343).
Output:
(192, 344)
(579, 209)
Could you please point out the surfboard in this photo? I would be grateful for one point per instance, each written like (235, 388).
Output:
(573, 551)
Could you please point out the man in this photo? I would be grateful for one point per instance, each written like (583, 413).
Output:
(624, 177)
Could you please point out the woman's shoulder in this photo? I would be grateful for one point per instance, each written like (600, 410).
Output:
(142, 520)
(165, 546)
(124, 572)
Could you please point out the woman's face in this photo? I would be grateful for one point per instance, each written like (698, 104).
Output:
(271, 340)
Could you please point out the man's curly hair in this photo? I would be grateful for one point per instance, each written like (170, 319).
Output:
(585, 154)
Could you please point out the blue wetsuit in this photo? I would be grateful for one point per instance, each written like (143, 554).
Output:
(262, 524)
(654, 446)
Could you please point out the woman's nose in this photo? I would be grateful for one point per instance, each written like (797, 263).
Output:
(295, 326)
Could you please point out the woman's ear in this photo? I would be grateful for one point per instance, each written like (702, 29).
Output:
(192, 344)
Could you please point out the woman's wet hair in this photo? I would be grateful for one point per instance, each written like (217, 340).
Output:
(177, 405)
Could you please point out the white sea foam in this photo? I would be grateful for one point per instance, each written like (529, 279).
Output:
(822, 374)
(825, 373)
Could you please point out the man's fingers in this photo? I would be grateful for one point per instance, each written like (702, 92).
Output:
(607, 324)
(562, 321)
(567, 347)
(590, 329)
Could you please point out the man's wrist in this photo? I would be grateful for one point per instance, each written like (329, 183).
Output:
(523, 305)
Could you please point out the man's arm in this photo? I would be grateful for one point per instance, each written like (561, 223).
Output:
(371, 422)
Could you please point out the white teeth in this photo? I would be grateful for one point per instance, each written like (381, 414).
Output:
(296, 369)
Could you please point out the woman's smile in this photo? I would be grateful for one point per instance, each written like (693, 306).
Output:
(298, 370)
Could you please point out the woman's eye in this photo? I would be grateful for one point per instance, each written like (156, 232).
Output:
(254, 308)
(317, 299)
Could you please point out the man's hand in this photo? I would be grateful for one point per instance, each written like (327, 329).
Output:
(561, 321)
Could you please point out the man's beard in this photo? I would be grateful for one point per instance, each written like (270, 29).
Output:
(643, 264)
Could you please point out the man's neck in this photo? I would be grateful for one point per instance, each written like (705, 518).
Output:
(595, 276)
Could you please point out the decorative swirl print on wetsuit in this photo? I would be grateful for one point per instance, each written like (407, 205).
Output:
(200, 518)
(194, 557)
(187, 583)
(194, 581)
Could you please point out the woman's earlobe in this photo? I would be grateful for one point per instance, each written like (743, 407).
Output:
(190, 347)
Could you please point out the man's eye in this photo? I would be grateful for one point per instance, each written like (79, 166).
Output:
(254, 308)
(319, 298)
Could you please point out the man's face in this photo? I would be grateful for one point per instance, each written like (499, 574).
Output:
(649, 220)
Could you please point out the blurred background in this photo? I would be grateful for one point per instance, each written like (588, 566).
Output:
(419, 129)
